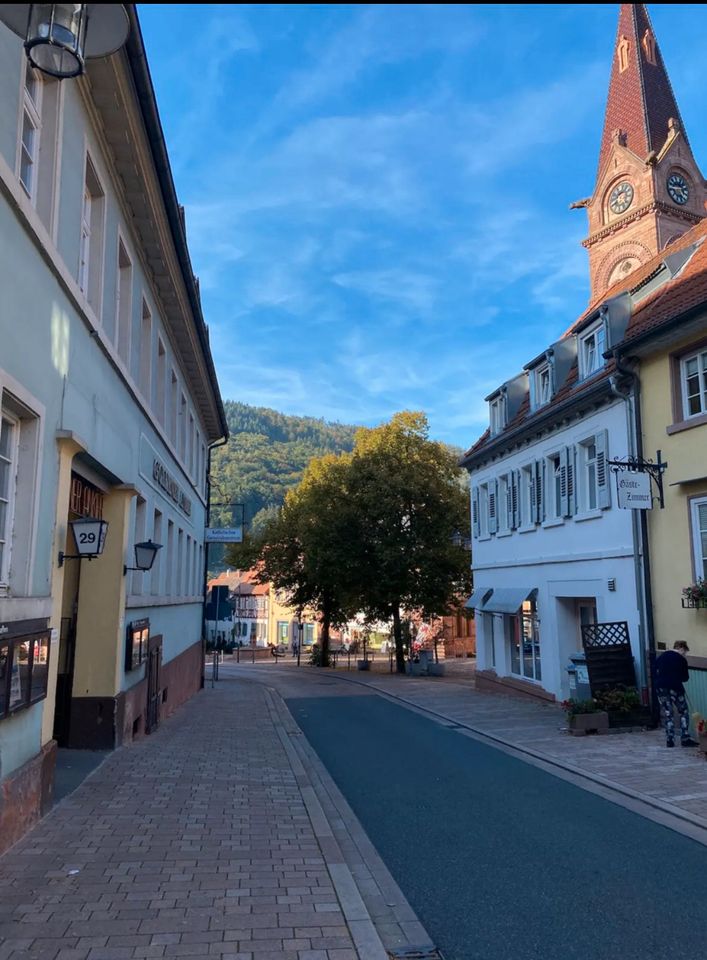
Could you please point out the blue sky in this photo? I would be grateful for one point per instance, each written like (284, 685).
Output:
(377, 196)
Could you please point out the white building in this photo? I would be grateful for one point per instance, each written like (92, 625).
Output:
(551, 549)
(109, 405)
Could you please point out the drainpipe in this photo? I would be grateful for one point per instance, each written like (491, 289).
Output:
(217, 443)
(641, 552)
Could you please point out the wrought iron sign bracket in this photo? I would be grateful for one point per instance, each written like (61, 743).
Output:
(654, 468)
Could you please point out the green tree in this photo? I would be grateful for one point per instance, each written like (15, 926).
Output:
(407, 503)
(302, 550)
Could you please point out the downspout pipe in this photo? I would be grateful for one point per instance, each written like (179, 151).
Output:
(632, 396)
(217, 443)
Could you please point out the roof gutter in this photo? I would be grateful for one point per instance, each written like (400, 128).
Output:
(137, 60)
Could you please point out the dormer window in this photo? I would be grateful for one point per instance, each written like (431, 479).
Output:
(497, 411)
(591, 351)
(542, 382)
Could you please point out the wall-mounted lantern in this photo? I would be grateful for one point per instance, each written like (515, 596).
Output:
(145, 554)
(60, 37)
(90, 537)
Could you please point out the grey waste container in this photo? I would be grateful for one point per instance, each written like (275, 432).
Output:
(579, 678)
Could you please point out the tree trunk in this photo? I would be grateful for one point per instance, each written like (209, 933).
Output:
(398, 634)
(324, 637)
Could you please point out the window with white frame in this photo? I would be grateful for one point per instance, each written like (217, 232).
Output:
(31, 129)
(588, 474)
(497, 414)
(542, 385)
(483, 510)
(591, 351)
(145, 357)
(90, 276)
(9, 441)
(698, 512)
(694, 384)
(124, 303)
(554, 486)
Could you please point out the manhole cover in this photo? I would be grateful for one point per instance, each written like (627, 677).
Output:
(416, 953)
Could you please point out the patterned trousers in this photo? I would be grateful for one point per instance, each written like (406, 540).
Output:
(666, 699)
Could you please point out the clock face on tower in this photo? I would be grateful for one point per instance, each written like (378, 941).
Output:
(621, 197)
(678, 189)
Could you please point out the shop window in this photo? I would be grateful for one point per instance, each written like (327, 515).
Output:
(24, 669)
(525, 642)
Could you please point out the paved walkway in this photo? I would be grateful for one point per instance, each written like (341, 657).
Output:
(207, 839)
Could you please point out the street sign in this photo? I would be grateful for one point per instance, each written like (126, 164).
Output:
(634, 490)
(224, 535)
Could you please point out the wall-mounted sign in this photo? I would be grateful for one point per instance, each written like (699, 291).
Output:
(138, 636)
(166, 482)
(634, 490)
(224, 535)
(85, 500)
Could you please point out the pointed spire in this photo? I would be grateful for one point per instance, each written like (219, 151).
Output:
(641, 102)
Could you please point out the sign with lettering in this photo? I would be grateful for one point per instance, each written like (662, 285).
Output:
(164, 479)
(634, 490)
(224, 535)
(85, 500)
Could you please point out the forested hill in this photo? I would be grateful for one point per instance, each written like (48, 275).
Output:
(265, 456)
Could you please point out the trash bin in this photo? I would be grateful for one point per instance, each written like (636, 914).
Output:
(579, 677)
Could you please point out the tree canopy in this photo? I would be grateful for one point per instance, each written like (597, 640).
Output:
(371, 531)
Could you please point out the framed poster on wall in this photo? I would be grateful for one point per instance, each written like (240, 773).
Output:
(138, 635)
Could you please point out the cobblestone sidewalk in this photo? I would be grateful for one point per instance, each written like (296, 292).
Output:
(203, 840)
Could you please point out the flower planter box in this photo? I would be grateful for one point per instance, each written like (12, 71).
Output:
(702, 742)
(639, 718)
(435, 670)
(583, 723)
(363, 664)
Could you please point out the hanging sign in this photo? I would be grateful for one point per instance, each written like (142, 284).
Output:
(634, 490)
(224, 535)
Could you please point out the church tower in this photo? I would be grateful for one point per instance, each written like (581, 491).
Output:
(649, 188)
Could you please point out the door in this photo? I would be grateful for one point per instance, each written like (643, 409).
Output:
(65, 680)
(154, 691)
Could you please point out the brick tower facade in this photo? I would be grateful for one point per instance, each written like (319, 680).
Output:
(649, 188)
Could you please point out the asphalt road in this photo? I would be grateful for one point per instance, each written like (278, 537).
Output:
(500, 860)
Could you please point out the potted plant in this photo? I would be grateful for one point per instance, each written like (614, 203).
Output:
(701, 731)
(436, 669)
(364, 664)
(695, 595)
(623, 704)
(585, 716)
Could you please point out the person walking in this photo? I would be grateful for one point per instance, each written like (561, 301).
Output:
(671, 671)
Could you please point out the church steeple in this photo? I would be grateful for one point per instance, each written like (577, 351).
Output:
(649, 189)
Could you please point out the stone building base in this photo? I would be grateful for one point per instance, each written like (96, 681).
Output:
(488, 680)
(26, 795)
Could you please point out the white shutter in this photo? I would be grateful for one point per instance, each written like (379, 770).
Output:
(539, 513)
(564, 499)
(601, 442)
(516, 518)
(475, 511)
(510, 500)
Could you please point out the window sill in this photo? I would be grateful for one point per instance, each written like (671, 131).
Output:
(504, 533)
(698, 421)
(588, 515)
(484, 537)
(555, 522)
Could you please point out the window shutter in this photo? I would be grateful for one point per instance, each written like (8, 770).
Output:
(603, 490)
(539, 513)
(564, 499)
(513, 499)
(571, 481)
(475, 511)
(493, 506)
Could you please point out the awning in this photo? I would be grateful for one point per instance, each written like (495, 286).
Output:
(507, 599)
(476, 600)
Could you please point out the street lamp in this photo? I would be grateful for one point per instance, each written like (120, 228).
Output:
(60, 37)
(145, 554)
(90, 538)
(460, 541)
